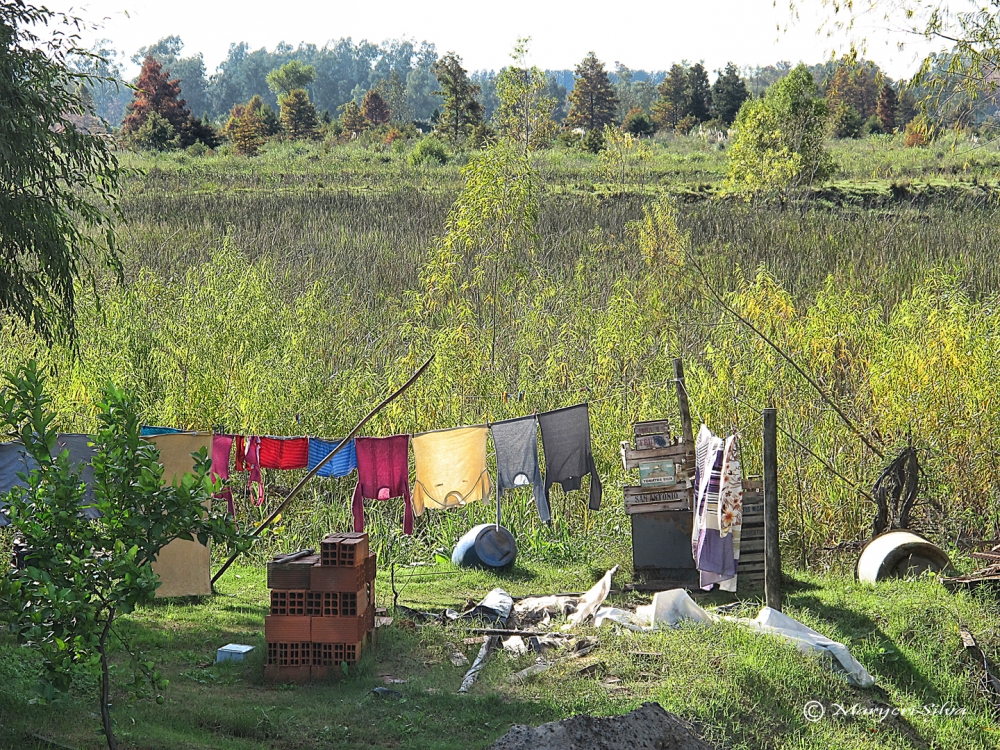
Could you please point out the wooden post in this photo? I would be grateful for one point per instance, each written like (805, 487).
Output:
(772, 552)
(682, 403)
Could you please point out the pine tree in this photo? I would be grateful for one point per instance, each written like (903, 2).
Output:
(298, 115)
(885, 110)
(460, 110)
(698, 93)
(352, 119)
(671, 106)
(155, 92)
(593, 103)
(728, 94)
(247, 132)
(393, 91)
(375, 109)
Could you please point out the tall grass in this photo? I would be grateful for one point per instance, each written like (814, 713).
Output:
(286, 295)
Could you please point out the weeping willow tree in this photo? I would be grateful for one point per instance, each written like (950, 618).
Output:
(478, 267)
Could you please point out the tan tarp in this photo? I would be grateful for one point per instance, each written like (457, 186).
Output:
(184, 568)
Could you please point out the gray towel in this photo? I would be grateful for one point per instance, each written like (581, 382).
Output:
(568, 457)
(13, 459)
(80, 456)
(516, 444)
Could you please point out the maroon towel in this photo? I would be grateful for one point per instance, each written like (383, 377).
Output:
(383, 473)
(284, 453)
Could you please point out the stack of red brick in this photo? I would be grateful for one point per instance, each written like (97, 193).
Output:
(322, 609)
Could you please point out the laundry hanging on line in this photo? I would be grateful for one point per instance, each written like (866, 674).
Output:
(718, 504)
(383, 473)
(450, 464)
(222, 448)
(568, 453)
(450, 468)
(516, 444)
(340, 465)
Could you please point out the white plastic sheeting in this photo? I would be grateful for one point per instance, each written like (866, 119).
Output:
(671, 608)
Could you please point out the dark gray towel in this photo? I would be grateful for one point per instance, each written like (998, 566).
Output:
(80, 456)
(13, 459)
(516, 444)
(568, 457)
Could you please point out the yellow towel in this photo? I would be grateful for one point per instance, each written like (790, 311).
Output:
(451, 468)
(184, 567)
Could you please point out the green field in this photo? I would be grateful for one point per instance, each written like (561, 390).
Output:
(286, 294)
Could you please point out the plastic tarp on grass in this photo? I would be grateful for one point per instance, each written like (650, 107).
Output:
(671, 608)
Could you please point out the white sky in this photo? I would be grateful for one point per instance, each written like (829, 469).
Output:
(647, 34)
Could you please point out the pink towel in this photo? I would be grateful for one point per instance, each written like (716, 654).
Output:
(222, 447)
(383, 473)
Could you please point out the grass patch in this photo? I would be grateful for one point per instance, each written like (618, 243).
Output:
(743, 690)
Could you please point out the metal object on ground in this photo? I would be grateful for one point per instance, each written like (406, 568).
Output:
(232, 652)
(486, 545)
(899, 554)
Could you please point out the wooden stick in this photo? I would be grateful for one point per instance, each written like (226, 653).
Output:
(687, 429)
(315, 470)
(772, 552)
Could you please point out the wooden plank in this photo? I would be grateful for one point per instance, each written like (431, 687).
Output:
(681, 505)
(755, 533)
(651, 427)
(751, 546)
(651, 442)
(632, 457)
(752, 484)
(654, 494)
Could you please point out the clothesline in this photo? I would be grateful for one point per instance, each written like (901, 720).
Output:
(450, 464)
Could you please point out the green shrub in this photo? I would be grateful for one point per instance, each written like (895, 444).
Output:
(429, 151)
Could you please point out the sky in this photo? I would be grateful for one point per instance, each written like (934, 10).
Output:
(642, 34)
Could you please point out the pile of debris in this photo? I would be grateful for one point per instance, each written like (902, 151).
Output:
(988, 575)
(646, 728)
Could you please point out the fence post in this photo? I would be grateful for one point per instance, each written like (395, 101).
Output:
(772, 552)
(682, 403)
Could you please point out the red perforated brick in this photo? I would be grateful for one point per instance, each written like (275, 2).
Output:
(281, 629)
(345, 549)
(339, 629)
(332, 578)
(288, 603)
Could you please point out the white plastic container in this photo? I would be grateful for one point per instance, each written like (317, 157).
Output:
(232, 652)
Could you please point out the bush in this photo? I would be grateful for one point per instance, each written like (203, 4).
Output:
(686, 125)
(917, 133)
(638, 123)
(429, 151)
(156, 134)
(196, 149)
(593, 141)
(846, 122)
(569, 138)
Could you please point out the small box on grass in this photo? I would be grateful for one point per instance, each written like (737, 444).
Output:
(232, 652)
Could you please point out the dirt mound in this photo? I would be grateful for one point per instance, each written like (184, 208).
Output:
(646, 728)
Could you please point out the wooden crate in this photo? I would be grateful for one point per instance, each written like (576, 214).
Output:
(651, 427)
(654, 499)
(679, 453)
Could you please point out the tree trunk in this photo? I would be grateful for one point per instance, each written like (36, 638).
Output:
(106, 685)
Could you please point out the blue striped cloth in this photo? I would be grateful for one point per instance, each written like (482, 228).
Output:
(340, 465)
(149, 431)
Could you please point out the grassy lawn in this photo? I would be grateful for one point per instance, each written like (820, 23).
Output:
(742, 690)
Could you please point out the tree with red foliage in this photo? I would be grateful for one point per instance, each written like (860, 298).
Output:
(155, 92)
